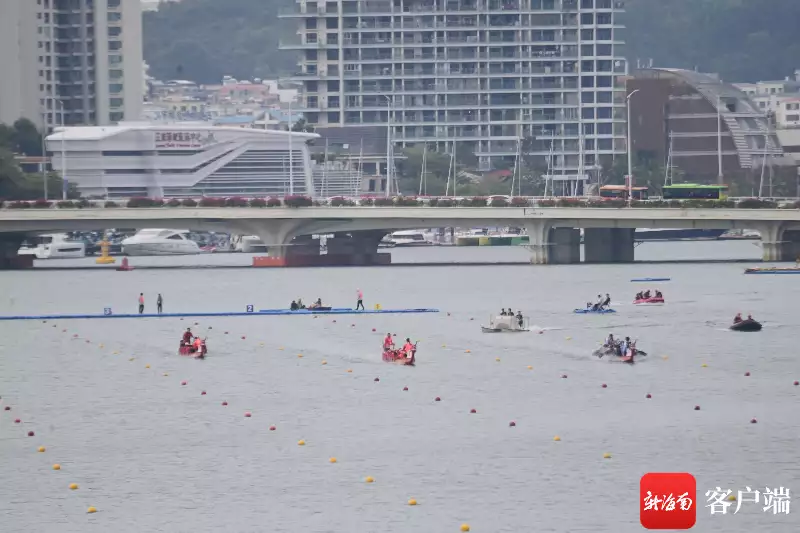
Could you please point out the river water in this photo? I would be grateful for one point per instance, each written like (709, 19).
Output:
(153, 455)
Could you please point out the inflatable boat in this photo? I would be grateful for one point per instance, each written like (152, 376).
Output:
(746, 325)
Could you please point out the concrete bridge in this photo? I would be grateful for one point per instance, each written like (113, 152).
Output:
(553, 232)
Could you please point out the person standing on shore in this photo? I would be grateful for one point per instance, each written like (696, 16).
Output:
(360, 297)
(159, 303)
(141, 303)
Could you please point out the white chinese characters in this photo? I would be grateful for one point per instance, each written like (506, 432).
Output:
(654, 502)
(776, 500)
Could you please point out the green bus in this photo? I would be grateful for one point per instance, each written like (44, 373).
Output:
(690, 191)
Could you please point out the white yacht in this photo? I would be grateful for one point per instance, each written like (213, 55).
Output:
(408, 238)
(160, 242)
(54, 246)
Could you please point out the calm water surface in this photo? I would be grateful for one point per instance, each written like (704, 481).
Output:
(152, 455)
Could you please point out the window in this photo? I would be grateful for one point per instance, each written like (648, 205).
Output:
(115, 88)
(114, 16)
(333, 118)
(116, 102)
(604, 112)
(587, 113)
(605, 128)
(792, 118)
(114, 31)
(311, 24)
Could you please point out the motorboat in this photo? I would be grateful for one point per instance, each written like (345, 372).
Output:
(399, 358)
(409, 238)
(160, 242)
(747, 324)
(506, 323)
(609, 351)
(189, 350)
(591, 311)
(653, 300)
(774, 270)
(55, 246)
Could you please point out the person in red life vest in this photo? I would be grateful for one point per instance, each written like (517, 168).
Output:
(187, 336)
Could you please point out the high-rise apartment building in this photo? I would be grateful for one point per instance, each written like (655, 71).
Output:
(79, 61)
(492, 74)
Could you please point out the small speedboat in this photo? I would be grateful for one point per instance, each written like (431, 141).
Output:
(505, 323)
(189, 351)
(746, 325)
(649, 301)
(397, 357)
(593, 311)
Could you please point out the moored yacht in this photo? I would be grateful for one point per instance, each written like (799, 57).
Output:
(160, 242)
(54, 246)
(409, 238)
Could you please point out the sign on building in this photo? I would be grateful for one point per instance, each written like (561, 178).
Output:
(183, 139)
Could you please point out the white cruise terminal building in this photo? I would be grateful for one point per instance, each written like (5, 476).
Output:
(183, 160)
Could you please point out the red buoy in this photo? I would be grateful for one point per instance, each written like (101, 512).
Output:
(203, 393)
(248, 414)
(272, 428)
(405, 388)
(17, 420)
(377, 379)
(696, 407)
(183, 383)
(8, 408)
(243, 337)
(648, 396)
(747, 374)
(604, 386)
(472, 411)
(754, 421)
(512, 424)
(224, 404)
(31, 433)
(563, 376)
(437, 399)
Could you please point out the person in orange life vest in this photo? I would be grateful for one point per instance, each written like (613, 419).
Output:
(388, 342)
(408, 348)
(198, 344)
(360, 298)
(141, 303)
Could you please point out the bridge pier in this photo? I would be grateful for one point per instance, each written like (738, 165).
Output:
(772, 241)
(9, 248)
(565, 246)
(538, 231)
(608, 245)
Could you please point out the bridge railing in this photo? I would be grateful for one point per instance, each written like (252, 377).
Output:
(400, 201)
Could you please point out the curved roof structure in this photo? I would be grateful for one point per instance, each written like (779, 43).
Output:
(749, 128)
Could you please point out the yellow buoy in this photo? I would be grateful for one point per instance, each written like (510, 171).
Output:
(704, 365)
(530, 367)
(147, 366)
(464, 527)
(731, 498)
(261, 344)
(467, 351)
(165, 374)
(301, 443)
(73, 486)
(665, 357)
(299, 355)
(332, 460)
(56, 466)
(569, 338)
(497, 359)
(324, 362)
(101, 346)
(444, 346)
(556, 438)
(280, 348)
(116, 353)
(131, 359)
(91, 510)
(606, 455)
(412, 501)
(369, 479)
(349, 370)
(41, 449)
